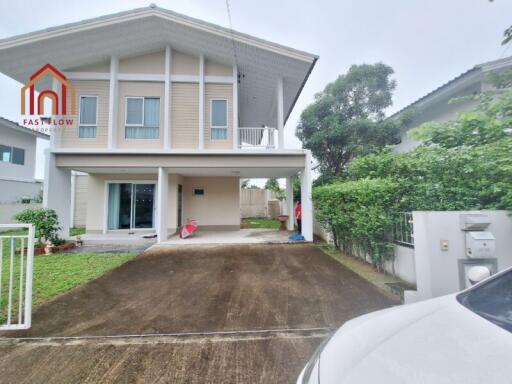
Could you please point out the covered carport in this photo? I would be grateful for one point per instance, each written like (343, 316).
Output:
(170, 170)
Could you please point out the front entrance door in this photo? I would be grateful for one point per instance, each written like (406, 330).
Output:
(130, 206)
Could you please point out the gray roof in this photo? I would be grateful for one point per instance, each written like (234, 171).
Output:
(471, 75)
(156, 8)
(13, 125)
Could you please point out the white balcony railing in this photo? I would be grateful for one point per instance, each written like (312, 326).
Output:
(257, 137)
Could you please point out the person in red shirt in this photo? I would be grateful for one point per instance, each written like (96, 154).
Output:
(298, 215)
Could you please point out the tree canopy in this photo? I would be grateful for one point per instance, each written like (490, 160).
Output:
(463, 164)
(347, 118)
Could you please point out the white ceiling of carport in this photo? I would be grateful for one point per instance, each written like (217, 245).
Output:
(257, 172)
(149, 30)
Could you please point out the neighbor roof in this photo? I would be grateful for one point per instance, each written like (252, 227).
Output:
(13, 125)
(150, 29)
(465, 79)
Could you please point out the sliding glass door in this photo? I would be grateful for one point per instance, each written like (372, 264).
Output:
(130, 206)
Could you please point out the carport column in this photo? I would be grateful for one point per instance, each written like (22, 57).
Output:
(57, 192)
(306, 201)
(162, 202)
(289, 203)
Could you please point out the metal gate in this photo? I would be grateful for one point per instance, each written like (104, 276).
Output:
(16, 267)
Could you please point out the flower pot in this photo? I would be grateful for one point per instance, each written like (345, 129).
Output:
(282, 219)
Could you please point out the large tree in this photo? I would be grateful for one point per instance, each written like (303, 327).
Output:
(347, 118)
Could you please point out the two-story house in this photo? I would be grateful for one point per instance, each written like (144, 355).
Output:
(442, 105)
(171, 112)
(17, 163)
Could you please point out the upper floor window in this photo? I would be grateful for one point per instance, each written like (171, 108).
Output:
(142, 118)
(12, 155)
(219, 119)
(88, 119)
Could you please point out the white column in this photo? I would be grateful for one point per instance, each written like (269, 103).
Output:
(235, 107)
(289, 203)
(280, 113)
(73, 196)
(162, 204)
(113, 103)
(167, 98)
(57, 192)
(306, 201)
(201, 101)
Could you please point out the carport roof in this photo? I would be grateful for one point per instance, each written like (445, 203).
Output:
(150, 29)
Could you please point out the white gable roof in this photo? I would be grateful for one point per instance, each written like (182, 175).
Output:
(150, 29)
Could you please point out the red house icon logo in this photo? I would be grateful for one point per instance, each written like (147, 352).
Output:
(59, 102)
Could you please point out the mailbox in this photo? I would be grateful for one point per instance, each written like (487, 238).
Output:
(480, 244)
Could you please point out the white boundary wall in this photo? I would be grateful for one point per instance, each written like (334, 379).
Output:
(437, 270)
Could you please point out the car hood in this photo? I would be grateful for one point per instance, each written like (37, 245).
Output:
(436, 341)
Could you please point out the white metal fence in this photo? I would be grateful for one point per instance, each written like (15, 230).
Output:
(16, 269)
(257, 137)
(403, 233)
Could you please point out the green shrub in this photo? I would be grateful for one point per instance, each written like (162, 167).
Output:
(359, 214)
(45, 221)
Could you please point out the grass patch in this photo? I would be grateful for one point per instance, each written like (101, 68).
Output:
(76, 231)
(57, 274)
(14, 232)
(261, 222)
(365, 270)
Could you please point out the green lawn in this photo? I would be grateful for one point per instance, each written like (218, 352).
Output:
(72, 232)
(76, 231)
(259, 222)
(57, 273)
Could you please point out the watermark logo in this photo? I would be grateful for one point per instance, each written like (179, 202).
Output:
(62, 97)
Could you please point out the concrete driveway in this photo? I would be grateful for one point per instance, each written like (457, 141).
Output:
(230, 314)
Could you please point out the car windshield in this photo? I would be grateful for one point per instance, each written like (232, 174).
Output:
(492, 300)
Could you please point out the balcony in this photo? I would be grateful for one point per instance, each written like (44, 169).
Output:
(257, 138)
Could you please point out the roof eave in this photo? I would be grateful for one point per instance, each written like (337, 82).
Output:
(101, 21)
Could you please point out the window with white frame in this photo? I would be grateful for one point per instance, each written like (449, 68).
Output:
(219, 119)
(88, 119)
(12, 155)
(142, 118)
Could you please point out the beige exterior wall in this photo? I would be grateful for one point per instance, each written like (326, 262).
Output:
(153, 63)
(103, 67)
(218, 91)
(218, 208)
(184, 108)
(212, 68)
(97, 195)
(185, 115)
(172, 210)
(184, 64)
(147, 89)
(80, 207)
(220, 205)
(69, 134)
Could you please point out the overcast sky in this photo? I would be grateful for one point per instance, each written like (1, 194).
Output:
(427, 42)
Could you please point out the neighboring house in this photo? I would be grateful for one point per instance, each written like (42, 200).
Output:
(173, 111)
(17, 163)
(436, 105)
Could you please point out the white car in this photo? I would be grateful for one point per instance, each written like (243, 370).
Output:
(461, 338)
